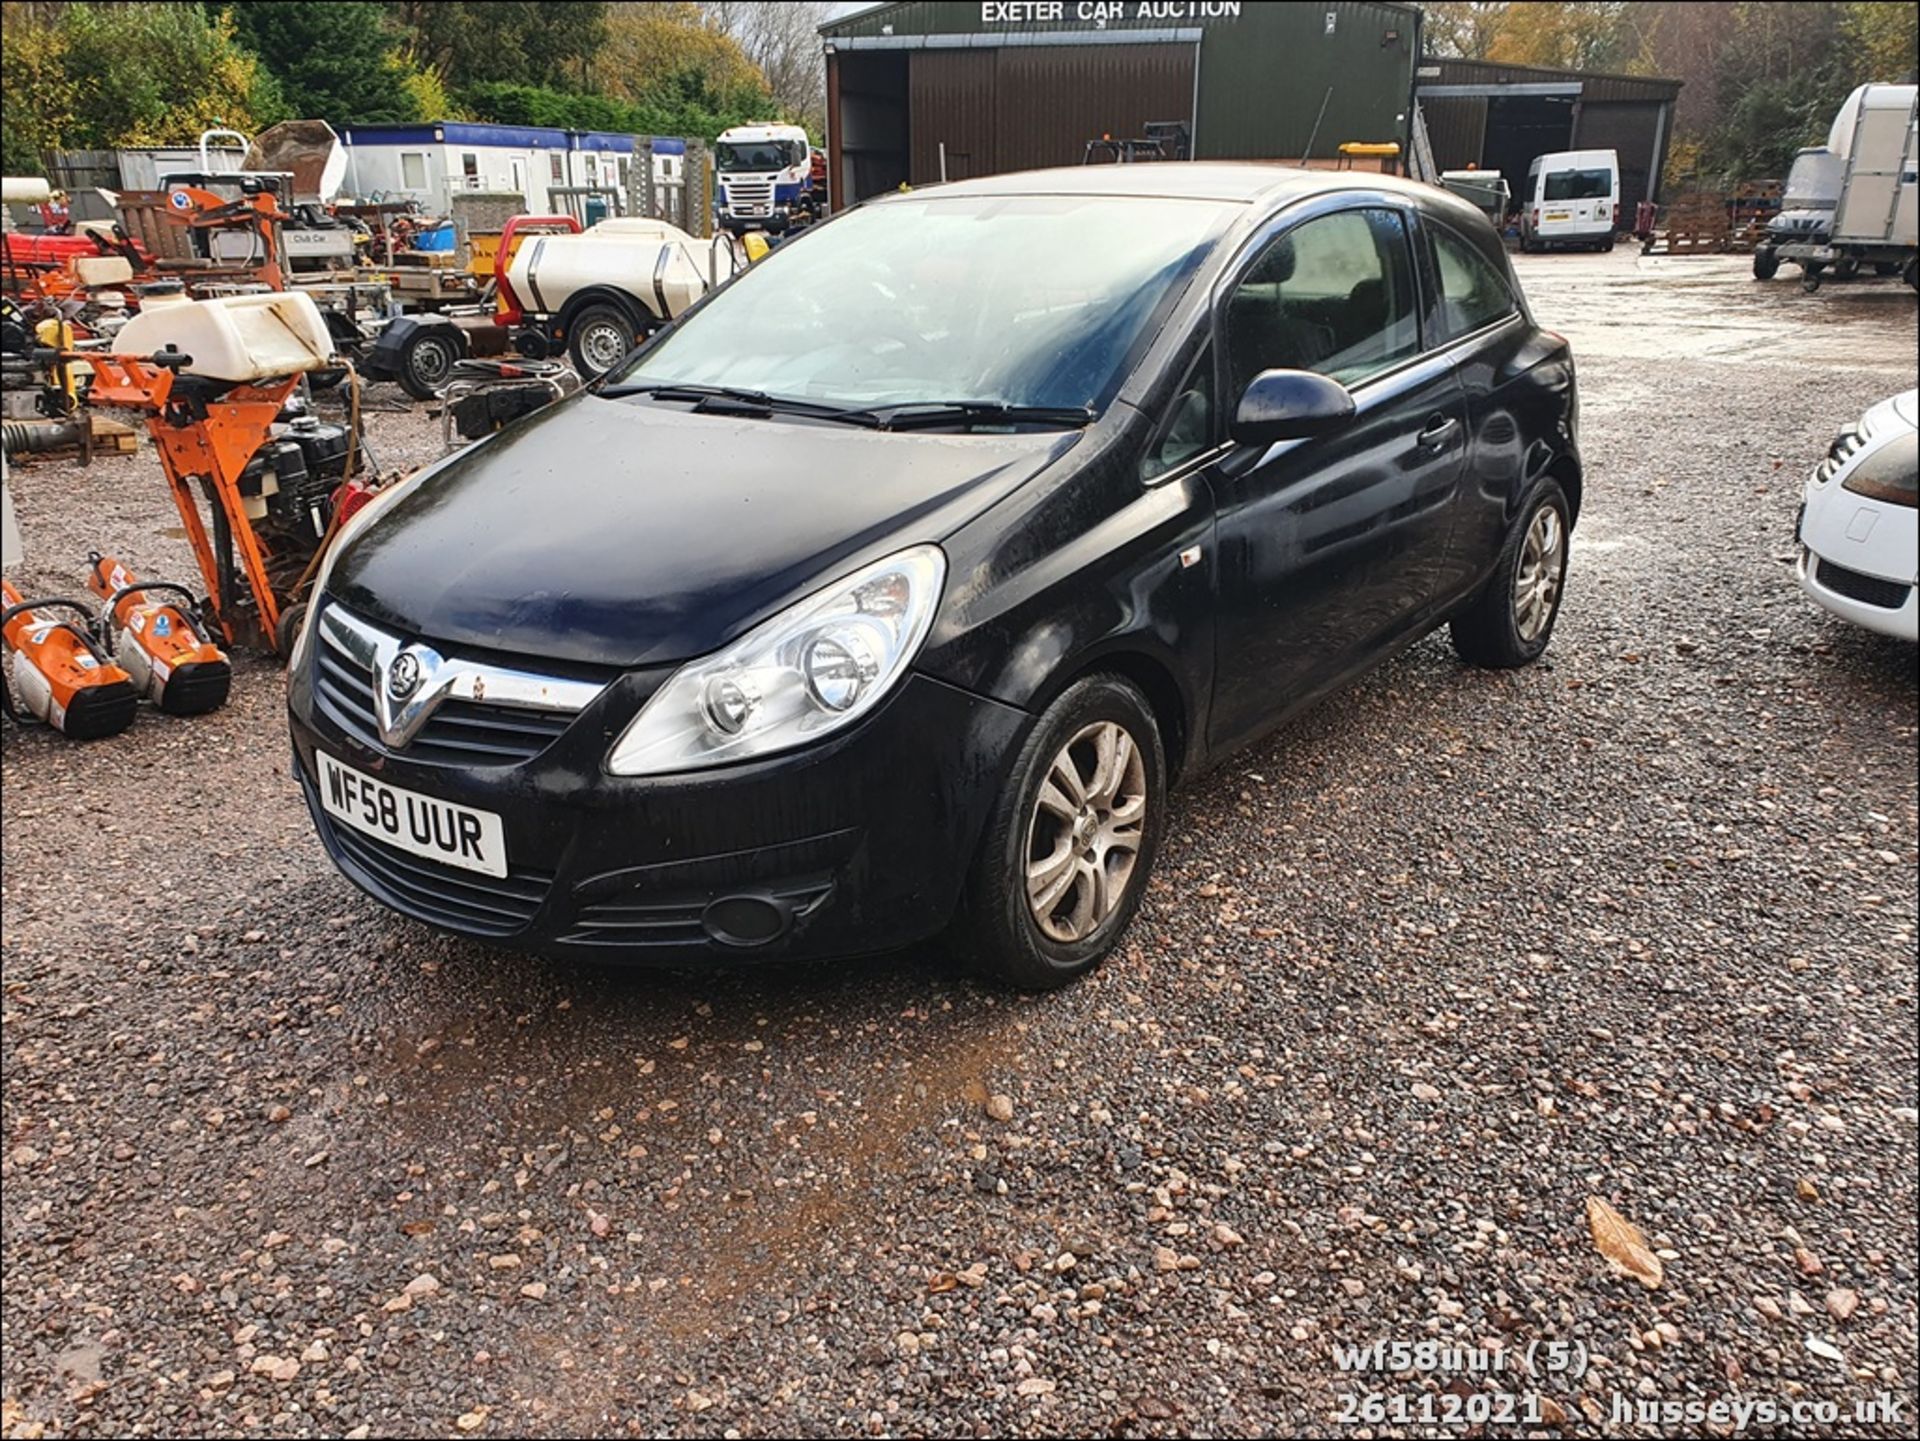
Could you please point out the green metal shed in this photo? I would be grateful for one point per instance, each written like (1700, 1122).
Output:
(929, 89)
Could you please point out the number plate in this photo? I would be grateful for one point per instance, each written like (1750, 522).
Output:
(437, 830)
(1558, 215)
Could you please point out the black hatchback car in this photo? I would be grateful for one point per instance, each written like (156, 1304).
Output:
(889, 590)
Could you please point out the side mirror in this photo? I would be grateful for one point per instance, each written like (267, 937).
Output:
(1289, 405)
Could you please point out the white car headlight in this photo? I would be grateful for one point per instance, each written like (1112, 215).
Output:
(814, 668)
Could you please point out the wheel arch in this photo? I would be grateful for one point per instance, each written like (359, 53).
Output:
(1155, 679)
(635, 310)
(1566, 470)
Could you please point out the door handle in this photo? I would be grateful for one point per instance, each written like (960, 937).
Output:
(1439, 433)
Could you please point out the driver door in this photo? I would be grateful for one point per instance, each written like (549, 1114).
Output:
(1332, 548)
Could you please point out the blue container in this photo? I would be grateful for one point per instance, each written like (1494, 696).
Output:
(438, 239)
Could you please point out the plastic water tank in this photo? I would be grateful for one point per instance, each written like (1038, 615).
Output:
(238, 338)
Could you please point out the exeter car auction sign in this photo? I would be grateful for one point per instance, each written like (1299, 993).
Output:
(1101, 12)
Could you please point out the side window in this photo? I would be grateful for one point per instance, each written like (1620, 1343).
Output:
(1188, 427)
(1333, 295)
(413, 170)
(1472, 292)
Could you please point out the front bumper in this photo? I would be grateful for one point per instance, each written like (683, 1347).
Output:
(1866, 598)
(859, 844)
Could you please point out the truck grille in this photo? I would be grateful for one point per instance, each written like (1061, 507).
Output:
(749, 195)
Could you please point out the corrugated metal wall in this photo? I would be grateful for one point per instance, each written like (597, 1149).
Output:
(1596, 87)
(1025, 107)
(1629, 129)
(951, 98)
(1457, 130)
(1052, 100)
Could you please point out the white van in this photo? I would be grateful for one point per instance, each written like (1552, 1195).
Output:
(1572, 197)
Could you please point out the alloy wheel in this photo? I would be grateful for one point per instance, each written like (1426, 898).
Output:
(1084, 837)
(1542, 570)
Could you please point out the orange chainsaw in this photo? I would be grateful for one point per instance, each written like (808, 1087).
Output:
(155, 631)
(65, 680)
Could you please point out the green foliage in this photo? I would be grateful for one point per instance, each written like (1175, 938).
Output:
(102, 76)
(1782, 72)
(335, 60)
(1882, 39)
(683, 104)
(549, 44)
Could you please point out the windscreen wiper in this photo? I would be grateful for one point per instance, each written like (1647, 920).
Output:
(924, 414)
(732, 397)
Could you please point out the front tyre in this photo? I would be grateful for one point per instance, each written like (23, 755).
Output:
(1511, 620)
(1071, 839)
(1766, 263)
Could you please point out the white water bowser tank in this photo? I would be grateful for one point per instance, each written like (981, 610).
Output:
(238, 338)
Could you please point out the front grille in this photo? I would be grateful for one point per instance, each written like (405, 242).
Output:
(749, 192)
(440, 895)
(1867, 589)
(458, 733)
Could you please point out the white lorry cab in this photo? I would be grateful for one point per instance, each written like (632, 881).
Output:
(1572, 198)
(765, 180)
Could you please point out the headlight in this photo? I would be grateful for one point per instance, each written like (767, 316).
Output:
(811, 670)
(1891, 473)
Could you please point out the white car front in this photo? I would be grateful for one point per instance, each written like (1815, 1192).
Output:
(1860, 523)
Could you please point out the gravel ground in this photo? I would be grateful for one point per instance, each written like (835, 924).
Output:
(1417, 978)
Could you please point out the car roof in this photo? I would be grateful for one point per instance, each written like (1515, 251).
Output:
(1228, 182)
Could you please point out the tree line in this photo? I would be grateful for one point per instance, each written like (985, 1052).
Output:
(1762, 79)
(84, 75)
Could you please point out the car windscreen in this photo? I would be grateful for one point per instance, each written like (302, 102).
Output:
(1579, 184)
(1033, 300)
(736, 155)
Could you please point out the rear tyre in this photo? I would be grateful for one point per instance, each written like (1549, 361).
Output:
(1070, 841)
(1913, 275)
(1885, 268)
(1606, 246)
(1766, 263)
(1511, 620)
(599, 338)
(427, 361)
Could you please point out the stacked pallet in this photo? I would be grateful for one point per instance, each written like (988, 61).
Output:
(1693, 224)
